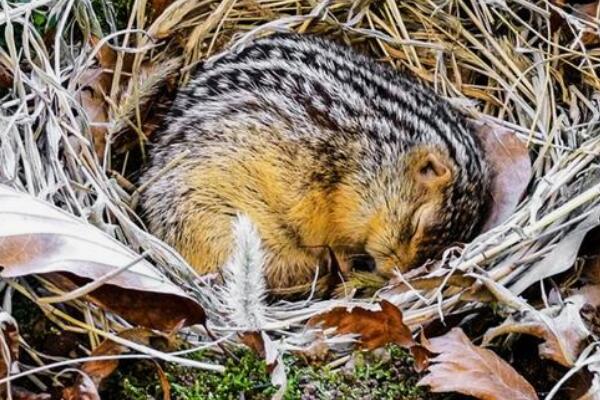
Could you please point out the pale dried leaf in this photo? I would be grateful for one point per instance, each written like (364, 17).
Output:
(95, 107)
(511, 170)
(274, 360)
(465, 368)
(563, 334)
(24, 394)
(560, 258)
(37, 238)
(83, 389)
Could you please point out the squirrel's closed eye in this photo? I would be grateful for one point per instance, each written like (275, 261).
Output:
(417, 221)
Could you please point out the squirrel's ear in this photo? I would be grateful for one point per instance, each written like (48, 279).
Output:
(433, 170)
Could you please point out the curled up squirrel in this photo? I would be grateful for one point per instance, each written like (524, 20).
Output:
(321, 147)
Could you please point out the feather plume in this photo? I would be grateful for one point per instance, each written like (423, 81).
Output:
(244, 289)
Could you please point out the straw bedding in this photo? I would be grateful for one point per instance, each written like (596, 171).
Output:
(531, 67)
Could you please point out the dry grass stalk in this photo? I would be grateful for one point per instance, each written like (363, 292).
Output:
(502, 62)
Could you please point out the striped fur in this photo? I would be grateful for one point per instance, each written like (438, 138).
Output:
(318, 145)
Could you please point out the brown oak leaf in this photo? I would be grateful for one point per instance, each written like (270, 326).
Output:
(462, 367)
(375, 328)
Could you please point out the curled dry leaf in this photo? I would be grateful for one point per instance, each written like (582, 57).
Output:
(592, 390)
(37, 238)
(82, 389)
(511, 170)
(95, 107)
(421, 356)
(9, 346)
(564, 334)
(375, 328)
(462, 367)
(145, 93)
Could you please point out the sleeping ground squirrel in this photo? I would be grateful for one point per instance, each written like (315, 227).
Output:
(321, 147)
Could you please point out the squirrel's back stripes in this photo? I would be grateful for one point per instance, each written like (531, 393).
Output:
(326, 97)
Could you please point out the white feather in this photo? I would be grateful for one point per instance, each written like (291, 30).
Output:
(244, 288)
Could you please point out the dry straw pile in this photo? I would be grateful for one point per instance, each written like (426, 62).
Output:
(530, 66)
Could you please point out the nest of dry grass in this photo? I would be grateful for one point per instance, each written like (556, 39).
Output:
(531, 67)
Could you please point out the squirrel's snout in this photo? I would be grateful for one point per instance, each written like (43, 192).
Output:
(387, 266)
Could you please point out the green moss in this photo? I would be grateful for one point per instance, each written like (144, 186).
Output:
(248, 375)
(371, 378)
(390, 377)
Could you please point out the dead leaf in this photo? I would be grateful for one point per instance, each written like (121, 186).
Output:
(82, 389)
(254, 341)
(37, 238)
(465, 368)
(421, 356)
(158, 6)
(9, 346)
(165, 385)
(98, 370)
(95, 106)
(511, 170)
(592, 390)
(590, 311)
(146, 93)
(6, 77)
(375, 328)
(586, 10)
(95, 86)
(564, 335)
(24, 394)
(592, 394)
(317, 349)
(561, 258)
(106, 56)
